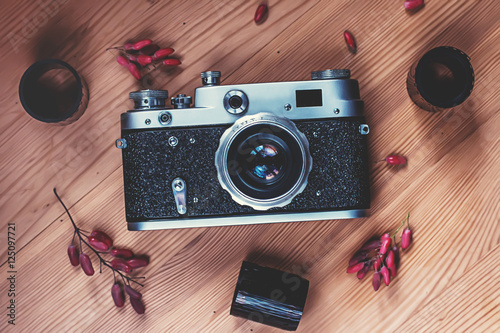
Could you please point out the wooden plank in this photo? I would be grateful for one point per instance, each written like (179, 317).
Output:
(451, 185)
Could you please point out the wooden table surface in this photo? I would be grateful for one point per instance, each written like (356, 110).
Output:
(450, 278)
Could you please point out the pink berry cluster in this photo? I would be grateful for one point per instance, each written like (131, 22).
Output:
(382, 255)
(123, 260)
(138, 55)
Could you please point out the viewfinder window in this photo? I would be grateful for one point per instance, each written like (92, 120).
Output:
(308, 98)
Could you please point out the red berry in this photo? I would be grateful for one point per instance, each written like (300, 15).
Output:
(350, 41)
(138, 262)
(144, 60)
(101, 240)
(395, 249)
(414, 4)
(261, 13)
(73, 255)
(132, 292)
(137, 305)
(96, 244)
(377, 264)
(362, 272)
(132, 57)
(406, 238)
(138, 45)
(162, 53)
(386, 275)
(355, 268)
(385, 243)
(357, 257)
(391, 263)
(122, 253)
(122, 61)
(149, 50)
(370, 245)
(172, 62)
(395, 160)
(117, 294)
(86, 264)
(121, 265)
(128, 46)
(376, 281)
(132, 68)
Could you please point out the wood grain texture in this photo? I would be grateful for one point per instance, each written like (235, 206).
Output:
(449, 280)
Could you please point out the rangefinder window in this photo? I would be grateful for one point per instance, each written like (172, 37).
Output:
(307, 98)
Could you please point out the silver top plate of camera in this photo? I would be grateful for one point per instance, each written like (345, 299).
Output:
(296, 100)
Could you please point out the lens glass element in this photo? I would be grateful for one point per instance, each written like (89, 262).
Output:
(265, 161)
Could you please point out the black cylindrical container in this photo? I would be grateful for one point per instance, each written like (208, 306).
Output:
(53, 92)
(441, 79)
(269, 296)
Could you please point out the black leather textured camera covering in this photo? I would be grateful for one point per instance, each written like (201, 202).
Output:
(338, 180)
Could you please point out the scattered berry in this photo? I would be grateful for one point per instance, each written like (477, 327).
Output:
(395, 160)
(414, 4)
(261, 13)
(406, 238)
(350, 42)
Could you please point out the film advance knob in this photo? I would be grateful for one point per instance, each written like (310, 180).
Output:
(331, 74)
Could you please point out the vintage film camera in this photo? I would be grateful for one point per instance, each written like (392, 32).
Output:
(246, 154)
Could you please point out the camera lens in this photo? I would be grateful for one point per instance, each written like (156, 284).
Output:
(263, 161)
(235, 102)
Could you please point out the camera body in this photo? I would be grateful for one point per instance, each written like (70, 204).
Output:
(246, 154)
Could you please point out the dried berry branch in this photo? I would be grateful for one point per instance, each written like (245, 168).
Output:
(97, 253)
(381, 255)
(101, 243)
(144, 57)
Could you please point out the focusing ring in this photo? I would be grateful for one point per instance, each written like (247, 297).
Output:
(221, 162)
